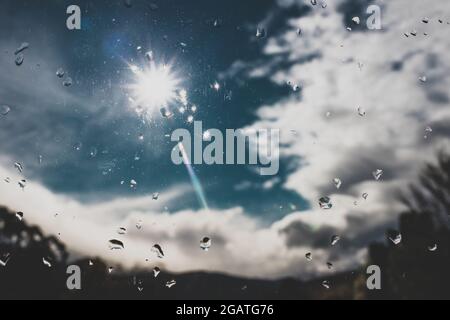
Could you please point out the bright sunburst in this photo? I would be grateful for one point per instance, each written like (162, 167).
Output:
(154, 87)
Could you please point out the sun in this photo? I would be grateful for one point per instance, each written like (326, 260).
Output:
(154, 87)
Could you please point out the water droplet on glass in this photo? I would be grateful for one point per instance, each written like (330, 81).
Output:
(22, 184)
(205, 243)
(299, 31)
(337, 183)
(365, 195)
(19, 59)
(122, 231)
(91, 263)
(425, 20)
(77, 146)
(308, 256)
(361, 111)
(155, 196)
(115, 244)
(7, 179)
(47, 262)
(377, 174)
(158, 250)
(166, 113)
(22, 47)
(171, 283)
(110, 269)
(194, 108)
(18, 166)
(133, 183)
(329, 265)
(326, 284)
(149, 55)
(423, 79)
(67, 82)
(335, 239)
(139, 225)
(260, 32)
(4, 109)
(190, 119)
(314, 2)
(396, 239)
(356, 20)
(93, 152)
(325, 203)
(156, 271)
(60, 72)
(19, 215)
(433, 247)
(4, 258)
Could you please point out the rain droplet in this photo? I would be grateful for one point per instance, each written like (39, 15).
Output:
(329, 265)
(377, 174)
(47, 262)
(22, 184)
(4, 258)
(326, 284)
(205, 243)
(166, 113)
(158, 250)
(93, 152)
(133, 183)
(122, 231)
(425, 20)
(171, 283)
(308, 256)
(67, 82)
(335, 239)
(139, 225)
(40, 158)
(91, 263)
(207, 135)
(110, 269)
(356, 20)
(77, 146)
(18, 166)
(115, 244)
(299, 31)
(4, 109)
(156, 271)
(423, 79)
(433, 247)
(155, 196)
(19, 215)
(22, 47)
(325, 203)
(361, 111)
(7, 179)
(60, 72)
(365, 195)
(260, 32)
(337, 183)
(19, 59)
(397, 239)
(190, 119)
(314, 2)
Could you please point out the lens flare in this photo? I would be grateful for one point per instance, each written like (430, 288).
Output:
(154, 87)
(194, 179)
